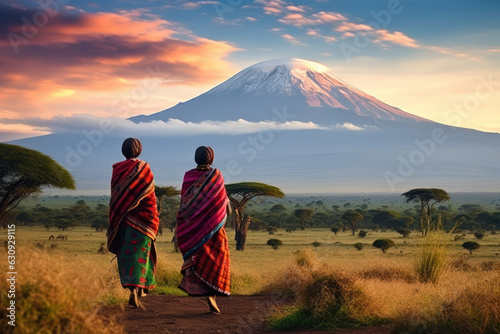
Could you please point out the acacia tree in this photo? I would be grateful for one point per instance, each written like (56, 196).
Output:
(428, 197)
(239, 194)
(303, 215)
(23, 173)
(352, 218)
(162, 194)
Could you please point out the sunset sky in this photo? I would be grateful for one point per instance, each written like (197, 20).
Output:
(435, 59)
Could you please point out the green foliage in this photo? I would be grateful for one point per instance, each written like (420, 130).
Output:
(383, 244)
(274, 243)
(253, 189)
(359, 246)
(405, 232)
(470, 246)
(24, 172)
(99, 224)
(316, 244)
(479, 235)
(428, 197)
(352, 218)
(272, 229)
(362, 233)
(303, 215)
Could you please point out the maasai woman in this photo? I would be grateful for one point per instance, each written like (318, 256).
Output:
(200, 231)
(133, 221)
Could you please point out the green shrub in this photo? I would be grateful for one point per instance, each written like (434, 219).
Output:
(470, 246)
(383, 244)
(359, 245)
(274, 243)
(405, 232)
(479, 235)
(316, 244)
(362, 233)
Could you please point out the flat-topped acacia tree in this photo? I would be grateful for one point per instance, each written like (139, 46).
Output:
(23, 173)
(239, 194)
(428, 197)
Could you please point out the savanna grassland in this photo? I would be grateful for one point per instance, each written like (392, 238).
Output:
(327, 282)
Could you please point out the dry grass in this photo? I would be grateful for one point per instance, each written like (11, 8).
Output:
(325, 297)
(58, 294)
(433, 258)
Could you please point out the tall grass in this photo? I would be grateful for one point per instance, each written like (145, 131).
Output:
(474, 310)
(432, 258)
(60, 294)
(324, 297)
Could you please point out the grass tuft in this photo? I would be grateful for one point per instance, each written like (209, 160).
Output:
(432, 258)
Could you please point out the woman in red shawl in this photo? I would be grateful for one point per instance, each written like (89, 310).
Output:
(133, 221)
(200, 231)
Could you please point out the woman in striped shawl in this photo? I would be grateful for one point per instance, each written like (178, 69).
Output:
(200, 231)
(133, 221)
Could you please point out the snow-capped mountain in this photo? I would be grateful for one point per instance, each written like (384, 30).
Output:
(352, 142)
(307, 89)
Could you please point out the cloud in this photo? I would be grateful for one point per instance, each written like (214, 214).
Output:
(317, 33)
(77, 56)
(351, 26)
(272, 7)
(197, 4)
(395, 38)
(300, 20)
(172, 128)
(292, 39)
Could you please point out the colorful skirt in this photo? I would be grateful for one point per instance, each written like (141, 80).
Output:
(207, 272)
(136, 258)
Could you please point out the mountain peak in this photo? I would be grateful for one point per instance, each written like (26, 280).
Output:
(290, 64)
(305, 87)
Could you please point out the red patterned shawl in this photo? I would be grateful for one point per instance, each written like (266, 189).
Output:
(200, 228)
(202, 209)
(133, 200)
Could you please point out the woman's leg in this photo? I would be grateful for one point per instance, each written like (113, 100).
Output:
(133, 297)
(213, 305)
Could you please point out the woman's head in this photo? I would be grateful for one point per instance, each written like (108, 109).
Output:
(131, 148)
(204, 157)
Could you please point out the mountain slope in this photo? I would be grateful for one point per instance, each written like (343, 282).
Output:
(306, 89)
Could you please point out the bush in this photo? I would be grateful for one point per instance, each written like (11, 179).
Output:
(432, 258)
(405, 232)
(383, 244)
(274, 243)
(359, 246)
(316, 244)
(470, 246)
(272, 229)
(335, 229)
(479, 235)
(324, 298)
(362, 233)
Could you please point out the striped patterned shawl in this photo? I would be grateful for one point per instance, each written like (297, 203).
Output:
(133, 200)
(202, 211)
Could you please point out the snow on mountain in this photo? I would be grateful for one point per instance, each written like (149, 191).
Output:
(305, 86)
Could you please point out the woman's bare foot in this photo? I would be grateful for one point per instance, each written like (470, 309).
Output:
(133, 298)
(142, 292)
(213, 305)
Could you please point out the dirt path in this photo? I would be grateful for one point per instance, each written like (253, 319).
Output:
(171, 314)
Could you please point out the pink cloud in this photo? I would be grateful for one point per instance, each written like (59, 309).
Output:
(350, 26)
(272, 7)
(300, 20)
(396, 38)
(292, 39)
(78, 56)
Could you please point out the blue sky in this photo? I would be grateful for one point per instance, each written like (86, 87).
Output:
(425, 57)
